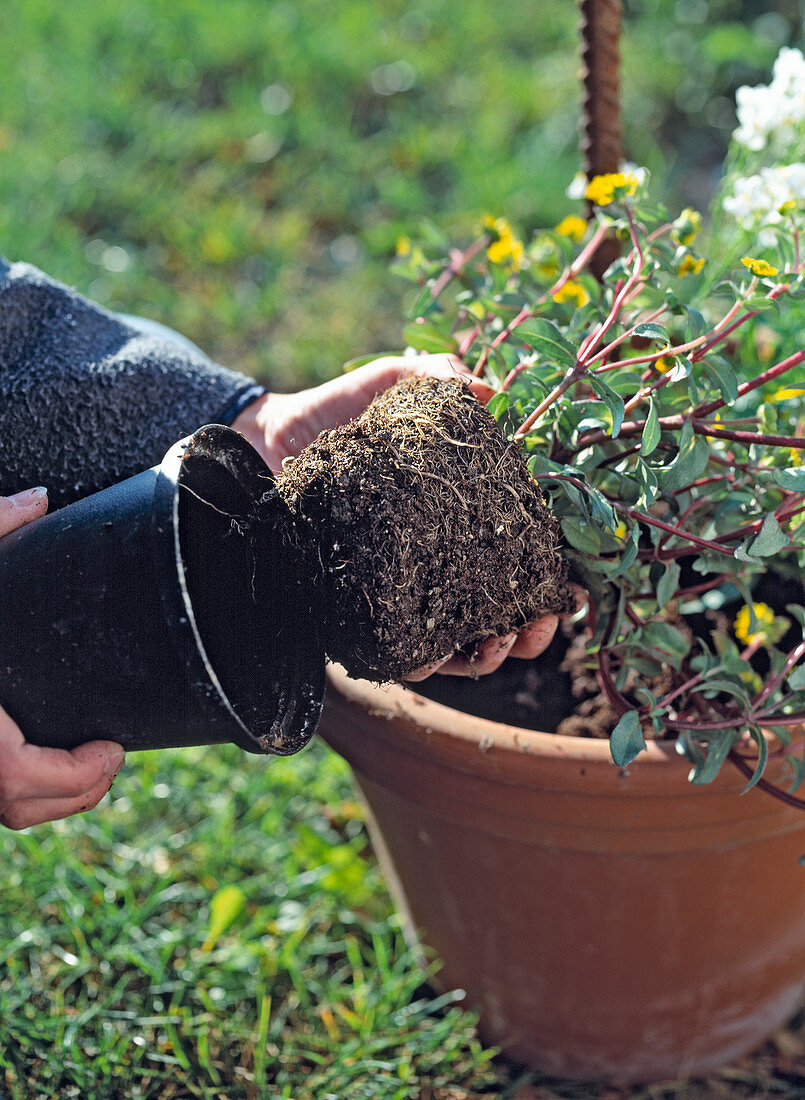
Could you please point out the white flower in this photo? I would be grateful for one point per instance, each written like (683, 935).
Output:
(756, 201)
(775, 112)
(577, 188)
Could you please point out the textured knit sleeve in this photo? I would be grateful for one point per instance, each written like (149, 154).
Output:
(86, 400)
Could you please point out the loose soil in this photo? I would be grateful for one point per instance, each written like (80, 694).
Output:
(423, 529)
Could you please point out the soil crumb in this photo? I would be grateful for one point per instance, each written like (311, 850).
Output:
(424, 530)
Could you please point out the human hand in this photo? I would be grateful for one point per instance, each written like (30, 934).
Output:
(40, 784)
(279, 426)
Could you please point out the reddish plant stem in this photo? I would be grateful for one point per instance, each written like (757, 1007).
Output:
(790, 799)
(605, 678)
(772, 684)
(458, 261)
(755, 383)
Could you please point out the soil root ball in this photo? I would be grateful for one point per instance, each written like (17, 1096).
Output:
(424, 530)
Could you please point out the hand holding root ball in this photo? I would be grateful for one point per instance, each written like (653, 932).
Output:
(489, 528)
(41, 784)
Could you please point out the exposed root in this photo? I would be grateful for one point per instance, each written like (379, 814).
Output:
(422, 507)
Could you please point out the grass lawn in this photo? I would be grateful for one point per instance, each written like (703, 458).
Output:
(242, 171)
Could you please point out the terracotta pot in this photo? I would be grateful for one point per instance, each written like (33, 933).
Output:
(607, 924)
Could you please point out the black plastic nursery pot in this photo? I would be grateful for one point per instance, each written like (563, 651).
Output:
(163, 612)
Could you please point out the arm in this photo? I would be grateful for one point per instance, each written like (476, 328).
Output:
(86, 400)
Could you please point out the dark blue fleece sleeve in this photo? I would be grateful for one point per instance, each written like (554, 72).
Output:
(86, 400)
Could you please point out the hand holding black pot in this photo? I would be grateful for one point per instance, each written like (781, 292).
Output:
(41, 784)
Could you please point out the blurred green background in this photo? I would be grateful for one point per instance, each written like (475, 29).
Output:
(241, 170)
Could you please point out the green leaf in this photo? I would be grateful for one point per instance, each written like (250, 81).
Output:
(581, 535)
(741, 553)
(612, 400)
(723, 375)
(226, 906)
(717, 752)
(650, 331)
(796, 681)
(539, 463)
(793, 477)
(647, 480)
(762, 754)
(651, 430)
(499, 404)
(690, 462)
(424, 336)
(761, 304)
(545, 338)
(769, 540)
(668, 583)
(626, 740)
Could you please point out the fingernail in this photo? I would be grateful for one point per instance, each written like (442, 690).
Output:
(29, 496)
(114, 764)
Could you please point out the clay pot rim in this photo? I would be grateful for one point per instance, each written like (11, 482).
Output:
(432, 716)
(420, 727)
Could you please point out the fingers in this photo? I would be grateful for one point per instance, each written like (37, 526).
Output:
(21, 508)
(42, 784)
(432, 366)
(33, 772)
(489, 656)
(35, 811)
(535, 638)
(423, 673)
(530, 642)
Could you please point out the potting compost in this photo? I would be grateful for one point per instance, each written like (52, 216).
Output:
(423, 529)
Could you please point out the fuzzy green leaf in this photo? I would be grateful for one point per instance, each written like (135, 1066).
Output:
(424, 336)
(769, 540)
(690, 462)
(796, 681)
(793, 477)
(723, 375)
(581, 536)
(545, 338)
(650, 331)
(612, 400)
(498, 405)
(651, 430)
(626, 740)
(668, 583)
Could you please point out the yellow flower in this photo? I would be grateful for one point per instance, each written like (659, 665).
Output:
(572, 226)
(750, 677)
(785, 394)
(505, 246)
(403, 246)
(614, 185)
(764, 617)
(572, 292)
(664, 364)
(687, 226)
(690, 266)
(795, 456)
(620, 531)
(759, 267)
